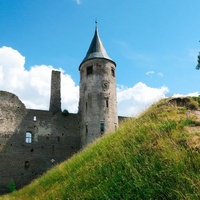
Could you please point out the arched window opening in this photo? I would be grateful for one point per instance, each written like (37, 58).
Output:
(28, 137)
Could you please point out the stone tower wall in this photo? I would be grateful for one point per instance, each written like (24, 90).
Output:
(55, 98)
(98, 101)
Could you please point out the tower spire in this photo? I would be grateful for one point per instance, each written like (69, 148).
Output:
(96, 49)
(98, 98)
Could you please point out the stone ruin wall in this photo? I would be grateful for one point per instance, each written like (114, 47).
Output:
(55, 137)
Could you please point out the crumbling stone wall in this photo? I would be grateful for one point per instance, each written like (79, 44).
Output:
(54, 138)
(55, 98)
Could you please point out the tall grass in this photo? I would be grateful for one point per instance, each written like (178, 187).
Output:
(146, 158)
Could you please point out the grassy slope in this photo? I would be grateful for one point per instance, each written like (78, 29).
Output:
(146, 158)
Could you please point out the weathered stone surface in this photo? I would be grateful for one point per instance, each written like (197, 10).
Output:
(55, 137)
(98, 100)
(55, 99)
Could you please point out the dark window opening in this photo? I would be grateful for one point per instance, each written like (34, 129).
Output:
(58, 139)
(86, 129)
(113, 72)
(102, 128)
(26, 165)
(28, 137)
(107, 103)
(89, 70)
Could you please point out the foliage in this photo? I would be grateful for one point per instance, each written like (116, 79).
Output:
(149, 157)
(12, 186)
(197, 99)
(65, 112)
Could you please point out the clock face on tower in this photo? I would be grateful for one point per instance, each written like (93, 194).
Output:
(105, 85)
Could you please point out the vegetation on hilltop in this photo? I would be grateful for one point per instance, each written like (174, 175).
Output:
(155, 156)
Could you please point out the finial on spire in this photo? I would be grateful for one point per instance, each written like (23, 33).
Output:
(96, 23)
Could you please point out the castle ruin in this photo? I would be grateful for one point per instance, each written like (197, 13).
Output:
(32, 141)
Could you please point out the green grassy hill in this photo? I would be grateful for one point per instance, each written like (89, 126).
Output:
(154, 156)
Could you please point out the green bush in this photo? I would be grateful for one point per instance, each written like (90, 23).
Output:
(11, 186)
(65, 112)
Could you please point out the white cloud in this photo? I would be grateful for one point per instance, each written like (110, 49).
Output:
(33, 86)
(150, 72)
(132, 101)
(192, 94)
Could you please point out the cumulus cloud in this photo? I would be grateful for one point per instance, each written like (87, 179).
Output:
(33, 86)
(132, 101)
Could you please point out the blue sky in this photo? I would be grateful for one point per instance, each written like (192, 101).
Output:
(154, 43)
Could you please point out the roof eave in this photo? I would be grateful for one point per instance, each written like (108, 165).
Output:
(96, 58)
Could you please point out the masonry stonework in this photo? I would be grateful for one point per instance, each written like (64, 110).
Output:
(55, 98)
(53, 138)
(98, 106)
(32, 141)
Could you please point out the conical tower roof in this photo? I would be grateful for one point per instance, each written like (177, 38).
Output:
(96, 49)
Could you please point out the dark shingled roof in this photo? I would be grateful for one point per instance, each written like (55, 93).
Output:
(96, 49)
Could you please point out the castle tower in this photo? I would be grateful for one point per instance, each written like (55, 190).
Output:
(98, 101)
(55, 99)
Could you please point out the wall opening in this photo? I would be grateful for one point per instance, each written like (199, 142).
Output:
(34, 118)
(86, 129)
(89, 70)
(113, 72)
(107, 103)
(102, 127)
(28, 137)
(26, 165)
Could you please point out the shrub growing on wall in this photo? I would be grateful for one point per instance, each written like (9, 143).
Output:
(65, 112)
(11, 186)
